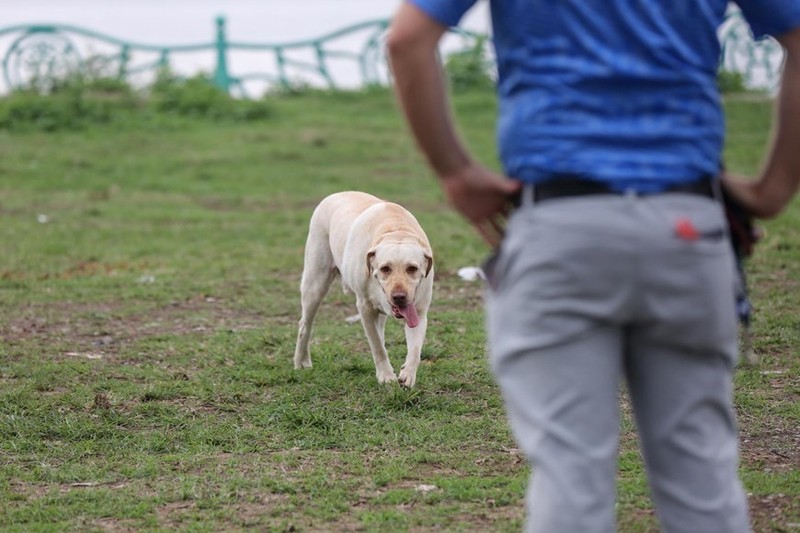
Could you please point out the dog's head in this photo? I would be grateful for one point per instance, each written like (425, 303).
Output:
(399, 269)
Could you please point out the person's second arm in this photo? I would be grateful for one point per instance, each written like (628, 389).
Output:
(780, 178)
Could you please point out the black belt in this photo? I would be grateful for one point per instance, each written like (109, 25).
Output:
(567, 187)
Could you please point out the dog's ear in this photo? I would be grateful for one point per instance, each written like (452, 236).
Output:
(370, 257)
(429, 259)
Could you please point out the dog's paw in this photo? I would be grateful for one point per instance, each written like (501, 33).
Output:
(386, 377)
(407, 378)
(302, 363)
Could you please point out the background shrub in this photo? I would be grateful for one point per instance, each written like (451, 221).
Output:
(95, 95)
(731, 82)
(470, 68)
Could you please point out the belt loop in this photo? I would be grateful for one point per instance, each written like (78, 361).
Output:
(716, 189)
(527, 195)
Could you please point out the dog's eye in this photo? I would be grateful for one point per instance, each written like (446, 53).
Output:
(412, 269)
(386, 270)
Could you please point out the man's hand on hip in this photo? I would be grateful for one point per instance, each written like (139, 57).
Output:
(483, 197)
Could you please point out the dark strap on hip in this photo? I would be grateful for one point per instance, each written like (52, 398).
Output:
(570, 187)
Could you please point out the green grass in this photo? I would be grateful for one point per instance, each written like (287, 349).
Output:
(148, 324)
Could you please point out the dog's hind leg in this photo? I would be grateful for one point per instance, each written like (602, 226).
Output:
(318, 274)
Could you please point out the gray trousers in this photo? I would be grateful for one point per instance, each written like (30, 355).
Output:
(586, 290)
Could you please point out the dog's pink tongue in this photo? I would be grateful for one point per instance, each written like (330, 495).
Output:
(409, 312)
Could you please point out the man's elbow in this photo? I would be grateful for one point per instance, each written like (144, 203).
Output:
(396, 42)
(400, 41)
(412, 30)
(791, 46)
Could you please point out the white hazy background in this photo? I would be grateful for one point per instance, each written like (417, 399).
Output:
(178, 22)
(190, 21)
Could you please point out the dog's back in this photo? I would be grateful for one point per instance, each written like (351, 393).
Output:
(334, 216)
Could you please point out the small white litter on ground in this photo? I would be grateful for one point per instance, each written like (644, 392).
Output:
(471, 273)
(87, 355)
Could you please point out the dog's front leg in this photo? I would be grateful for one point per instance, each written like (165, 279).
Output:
(370, 319)
(415, 337)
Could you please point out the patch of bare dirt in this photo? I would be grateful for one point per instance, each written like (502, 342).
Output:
(257, 512)
(169, 514)
(29, 490)
(240, 205)
(112, 525)
(94, 330)
(772, 444)
(771, 449)
(33, 491)
(779, 513)
(80, 269)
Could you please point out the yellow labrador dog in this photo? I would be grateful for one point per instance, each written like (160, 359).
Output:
(384, 257)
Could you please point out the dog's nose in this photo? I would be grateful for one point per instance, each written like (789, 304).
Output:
(400, 299)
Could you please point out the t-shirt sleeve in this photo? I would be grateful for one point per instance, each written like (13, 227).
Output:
(770, 17)
(446, 12)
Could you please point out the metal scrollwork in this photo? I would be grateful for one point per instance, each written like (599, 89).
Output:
(43, 55)
(759, 61)
(373, 62)
(40, 58)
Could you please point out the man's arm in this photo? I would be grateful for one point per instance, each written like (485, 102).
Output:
(477, 193)
(419, 83)
(780, 178)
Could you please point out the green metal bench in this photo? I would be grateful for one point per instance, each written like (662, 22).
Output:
(33, 54)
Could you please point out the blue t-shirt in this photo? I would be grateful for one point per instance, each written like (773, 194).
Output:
(620, 91)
